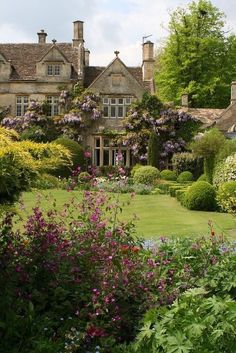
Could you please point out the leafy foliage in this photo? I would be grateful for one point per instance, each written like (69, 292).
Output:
(146, 175)
(167, 174)
(226, 197)
(208, 146)
(187, 161)
(21, 162)
(185, 176)
(225, 171)
(197, 58)
(200, 196)
(77, 156)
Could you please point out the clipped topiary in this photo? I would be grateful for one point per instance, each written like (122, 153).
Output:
(226, 197)
(202, 178)
(167, 174)
(77, 156)
(133, 170)
(200, 196)
(146, 175)
(185, 177)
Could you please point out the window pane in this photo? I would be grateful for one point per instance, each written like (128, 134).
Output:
(55, 109)
(106, 157)
(120, 101)
(57, 70)
(105, 112)
(50, 70)
(18, 110)
(97, 158)
(106, 142)
(127, 101)
(105, 101)
(120, 112)
(124, 154)
(97, 142)
(18, 99)
(113, 101)
(113, 112)
(114, 153)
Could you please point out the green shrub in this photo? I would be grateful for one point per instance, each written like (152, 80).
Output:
(134, 169)
(167, 174)
(146, 175)
(187, 161)
(208, 146)
(200, 196)
(46, 181)
(164, 185)
(228, 148)
(180, 194)
(226, 197)
(173, 189)
(184, 177)
(202, 178)
(154, 150)
(84, 177)
(77, 156)
(225, 171)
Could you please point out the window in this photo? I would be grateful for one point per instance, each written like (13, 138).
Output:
(22, 103)
(116, 107)
(54, 70)
(105, 152)
(53, 103)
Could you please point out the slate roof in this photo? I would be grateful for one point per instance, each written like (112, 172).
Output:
(23, 58)
(207, 116)
(92, 72)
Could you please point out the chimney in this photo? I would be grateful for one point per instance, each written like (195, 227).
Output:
(42, 36)
(233, 92)
(148, 61)
(78, 33)
(184, 100)
(86, 57)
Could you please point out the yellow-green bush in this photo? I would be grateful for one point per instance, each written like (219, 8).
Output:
(21, 162)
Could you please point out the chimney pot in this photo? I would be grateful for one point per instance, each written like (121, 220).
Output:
(42, 36)
(148, 61)
(184, 100)
(78, 33)
(233, 92)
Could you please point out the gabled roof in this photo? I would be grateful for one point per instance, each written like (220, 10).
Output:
(92, 73)
(23, 58)
(207, 116)
(54, 47)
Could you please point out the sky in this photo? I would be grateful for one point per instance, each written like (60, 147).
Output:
(108, 25)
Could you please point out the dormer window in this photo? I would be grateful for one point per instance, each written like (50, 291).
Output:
(54, 70)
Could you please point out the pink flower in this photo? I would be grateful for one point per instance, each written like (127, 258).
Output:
(87, 154)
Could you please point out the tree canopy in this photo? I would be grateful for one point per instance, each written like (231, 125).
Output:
(197, 58)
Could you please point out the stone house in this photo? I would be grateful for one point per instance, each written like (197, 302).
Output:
(38, 71)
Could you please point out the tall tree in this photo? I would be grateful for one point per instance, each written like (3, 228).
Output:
(198, 57)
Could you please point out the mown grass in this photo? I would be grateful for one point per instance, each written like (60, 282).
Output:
(158, 215)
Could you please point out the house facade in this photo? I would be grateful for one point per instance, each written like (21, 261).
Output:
(38, 71)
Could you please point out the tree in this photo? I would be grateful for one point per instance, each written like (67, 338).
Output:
(154, 150)
(208, 146)
(198, 57)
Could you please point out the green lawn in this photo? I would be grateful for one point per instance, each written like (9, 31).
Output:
(159, 215)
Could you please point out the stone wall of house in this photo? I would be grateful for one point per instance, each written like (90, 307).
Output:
(116, 80)
(34, 90)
